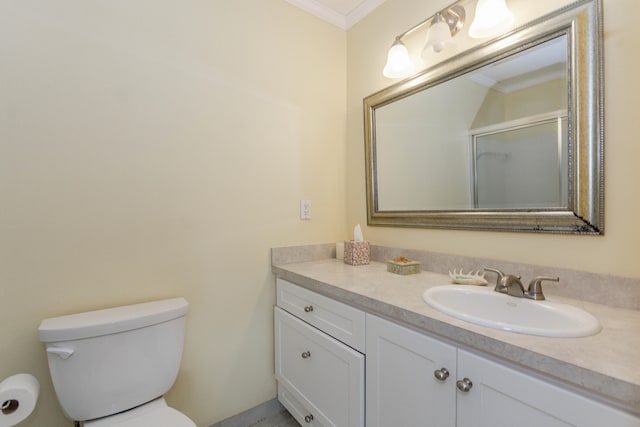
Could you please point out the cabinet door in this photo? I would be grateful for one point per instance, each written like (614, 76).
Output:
(504, 397)
(318, 376)
(402, 389)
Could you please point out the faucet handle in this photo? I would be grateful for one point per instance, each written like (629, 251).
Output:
(500, 281)
(535, 288)
(495, 270)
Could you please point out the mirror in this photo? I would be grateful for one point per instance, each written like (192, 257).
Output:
(506, 136)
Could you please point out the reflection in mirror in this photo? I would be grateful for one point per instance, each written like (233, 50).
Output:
(502, 145)
(505, 137)
(522, 166)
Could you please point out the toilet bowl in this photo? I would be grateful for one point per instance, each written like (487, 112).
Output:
(111, 367)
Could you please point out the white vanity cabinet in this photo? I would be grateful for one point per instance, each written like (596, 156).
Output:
(319, 372)
(503, 396)
(402, 389)
(406, 386)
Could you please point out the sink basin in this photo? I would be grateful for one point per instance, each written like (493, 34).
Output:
(483, 306)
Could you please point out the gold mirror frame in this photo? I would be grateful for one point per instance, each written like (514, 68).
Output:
(581, 23)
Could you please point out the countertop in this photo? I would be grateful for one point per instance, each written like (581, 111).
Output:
(605, 365)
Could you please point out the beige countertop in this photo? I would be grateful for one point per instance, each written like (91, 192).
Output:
(606, 365)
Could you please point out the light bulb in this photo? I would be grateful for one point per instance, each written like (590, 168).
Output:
(438, 35)
(398, 62)
(492, 18)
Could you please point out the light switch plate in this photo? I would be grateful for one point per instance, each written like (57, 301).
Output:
(305, 209)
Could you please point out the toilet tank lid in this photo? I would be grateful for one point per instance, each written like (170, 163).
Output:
(111, 320)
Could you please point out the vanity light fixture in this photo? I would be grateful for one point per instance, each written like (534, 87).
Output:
(444, 25)
(398, 62)
(492, 17)
(438, 35)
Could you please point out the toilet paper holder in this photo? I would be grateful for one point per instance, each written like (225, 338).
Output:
(9, 406)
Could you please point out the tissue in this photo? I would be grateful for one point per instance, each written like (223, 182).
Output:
(357, 251)
(357, 234)
(18, 397)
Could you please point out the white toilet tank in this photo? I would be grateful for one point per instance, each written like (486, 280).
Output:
(107, 361)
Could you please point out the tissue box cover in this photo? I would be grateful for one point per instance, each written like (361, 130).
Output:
(356, 252)
(403, 266)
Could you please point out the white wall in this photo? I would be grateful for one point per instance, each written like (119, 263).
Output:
(151, 149)
(617, 251)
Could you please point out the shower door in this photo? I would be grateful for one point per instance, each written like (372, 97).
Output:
(521, 165)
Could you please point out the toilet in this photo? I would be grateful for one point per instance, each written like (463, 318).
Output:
(110, 368)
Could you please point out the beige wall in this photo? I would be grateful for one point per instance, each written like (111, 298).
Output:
(617, 251)
(152, 149)
(406, 165)
(542, 98)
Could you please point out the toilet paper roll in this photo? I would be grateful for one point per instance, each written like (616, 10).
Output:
(18, 397)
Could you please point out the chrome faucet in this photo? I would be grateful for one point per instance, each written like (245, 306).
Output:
(512, 285)
(507, 283)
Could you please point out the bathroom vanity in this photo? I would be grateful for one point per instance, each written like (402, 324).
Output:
(319, 357)
(426, 368)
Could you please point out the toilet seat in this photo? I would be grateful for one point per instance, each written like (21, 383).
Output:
(153, 414)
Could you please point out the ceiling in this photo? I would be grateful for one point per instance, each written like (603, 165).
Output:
(342, 13)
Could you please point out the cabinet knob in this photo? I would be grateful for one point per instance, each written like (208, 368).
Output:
(441, 374)
(308, 418)
(464, 385)
(306, 354)
(308, 309)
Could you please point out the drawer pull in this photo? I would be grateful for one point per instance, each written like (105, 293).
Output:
(441, 374)
(306, 354)
(464, 385)
(308, 418)
(308, 309)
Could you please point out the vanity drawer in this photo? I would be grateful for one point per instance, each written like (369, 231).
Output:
(341, 321)
(318, 376)
(297, 409)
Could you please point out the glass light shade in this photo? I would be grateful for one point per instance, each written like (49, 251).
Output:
(398, 62)
(438, 37)
(492, 18)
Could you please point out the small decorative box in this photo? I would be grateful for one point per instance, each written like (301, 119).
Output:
(356, 252)
(403, 266)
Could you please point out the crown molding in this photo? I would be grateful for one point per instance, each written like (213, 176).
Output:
(328, 14)
(361, 11)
